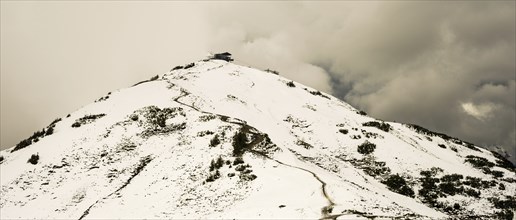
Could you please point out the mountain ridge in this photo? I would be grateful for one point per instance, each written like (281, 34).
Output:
(352, 165)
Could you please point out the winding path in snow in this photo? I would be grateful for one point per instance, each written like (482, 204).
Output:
(325, 211)
(138, 168)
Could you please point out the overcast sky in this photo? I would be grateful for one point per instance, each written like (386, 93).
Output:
(449, 67)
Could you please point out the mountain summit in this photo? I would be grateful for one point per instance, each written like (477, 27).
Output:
(213, 139)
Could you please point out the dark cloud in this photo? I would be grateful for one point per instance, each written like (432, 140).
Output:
(339, 86)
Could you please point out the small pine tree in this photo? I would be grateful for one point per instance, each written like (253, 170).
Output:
(366, 148)
(214, 141)
(397, 184)
(177, 68)
(239, 143)
(33, 159)
(219, 163)
(189, 65)
(50, 130)
(134, 117)
(238, 160)
(212, 165)
(240, 168)
(210, 178)
(161, 120)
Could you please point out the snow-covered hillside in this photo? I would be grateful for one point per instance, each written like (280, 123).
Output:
(218, 140)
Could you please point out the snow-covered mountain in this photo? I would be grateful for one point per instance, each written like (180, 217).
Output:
(217, 140)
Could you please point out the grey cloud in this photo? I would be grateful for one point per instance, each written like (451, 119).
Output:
(482, 24)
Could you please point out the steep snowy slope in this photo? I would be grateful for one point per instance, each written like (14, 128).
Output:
(218, 140)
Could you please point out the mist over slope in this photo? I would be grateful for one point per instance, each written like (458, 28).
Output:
(217, 140)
